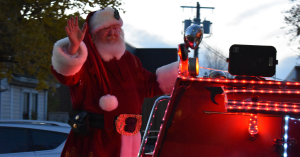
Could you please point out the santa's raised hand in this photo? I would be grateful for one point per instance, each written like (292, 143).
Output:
(75, 34)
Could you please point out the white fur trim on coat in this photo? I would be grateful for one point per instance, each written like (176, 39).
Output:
(166, 77)
(102, 19)
(108, 102)
(64, 63)
(130, 145)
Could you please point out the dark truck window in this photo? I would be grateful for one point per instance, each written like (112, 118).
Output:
(46, 140)
(14, 140)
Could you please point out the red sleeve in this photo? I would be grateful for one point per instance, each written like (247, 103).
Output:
(66, 80)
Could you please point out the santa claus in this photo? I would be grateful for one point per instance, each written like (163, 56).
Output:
(107, 85)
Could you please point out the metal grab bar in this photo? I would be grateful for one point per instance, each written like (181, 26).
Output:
(157, 101)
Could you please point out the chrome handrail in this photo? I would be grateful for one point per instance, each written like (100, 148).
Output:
(157, 101)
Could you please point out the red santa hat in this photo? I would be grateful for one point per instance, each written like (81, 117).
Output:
(98, 20)
(104, 18)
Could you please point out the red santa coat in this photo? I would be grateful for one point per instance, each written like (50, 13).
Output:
(89, 78)
(129, 82)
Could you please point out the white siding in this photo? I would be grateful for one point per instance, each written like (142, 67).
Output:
(41, 105)
(5, 101)
(15, 111)
(17, 106)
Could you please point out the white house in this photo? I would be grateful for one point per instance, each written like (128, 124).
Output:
(294, 75)
(20, 100)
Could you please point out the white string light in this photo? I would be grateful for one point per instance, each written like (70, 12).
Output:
(285, 138)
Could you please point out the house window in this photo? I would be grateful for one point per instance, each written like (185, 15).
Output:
(34, 104)
(30, 105)
(26, 105)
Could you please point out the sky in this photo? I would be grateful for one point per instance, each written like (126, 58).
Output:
(158, 24)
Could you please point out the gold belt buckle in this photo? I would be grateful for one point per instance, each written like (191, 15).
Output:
(120, 124)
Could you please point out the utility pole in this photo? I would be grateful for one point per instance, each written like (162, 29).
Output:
(197, 20)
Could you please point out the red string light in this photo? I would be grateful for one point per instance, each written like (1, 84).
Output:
(264, 91)
(160, 127)
(253, 128)
(240, 81)
(249, 106)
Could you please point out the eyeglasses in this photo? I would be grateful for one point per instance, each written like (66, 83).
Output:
(113, 28)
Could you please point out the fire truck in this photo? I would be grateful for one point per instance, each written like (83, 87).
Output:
(216, 116)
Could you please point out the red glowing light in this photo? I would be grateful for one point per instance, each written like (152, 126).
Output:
(179, 52)
(244, 81)
(278, 83)
(287, 83)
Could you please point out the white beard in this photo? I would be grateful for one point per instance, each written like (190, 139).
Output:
(109, 51)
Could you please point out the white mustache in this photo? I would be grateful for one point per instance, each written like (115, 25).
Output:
(111, 37)
(114, 36)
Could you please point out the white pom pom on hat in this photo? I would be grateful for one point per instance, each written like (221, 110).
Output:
(108, 102)
(103, 19)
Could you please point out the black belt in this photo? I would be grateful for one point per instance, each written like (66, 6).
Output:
(97, 120)
(78, 121)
